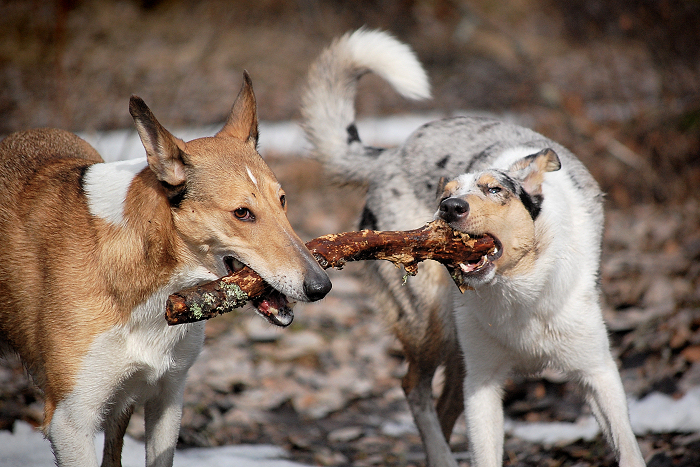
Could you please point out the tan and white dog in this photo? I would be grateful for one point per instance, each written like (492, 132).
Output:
(90, 251)
(534, 303)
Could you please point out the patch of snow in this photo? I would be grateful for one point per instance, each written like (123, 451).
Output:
(585, 428)
(659, 413)
(655, 413)
(27, 446)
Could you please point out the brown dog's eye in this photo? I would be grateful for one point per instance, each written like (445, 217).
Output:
(494, 190)
(283, 201)
(243, 214)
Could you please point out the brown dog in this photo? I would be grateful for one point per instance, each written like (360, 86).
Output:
(90, 251)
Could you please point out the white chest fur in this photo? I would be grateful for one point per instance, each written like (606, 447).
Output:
(138, 359)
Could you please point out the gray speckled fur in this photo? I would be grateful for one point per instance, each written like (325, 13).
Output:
(447, 148)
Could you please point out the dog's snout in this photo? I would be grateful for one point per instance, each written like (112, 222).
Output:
(316, 285)
(453, 209)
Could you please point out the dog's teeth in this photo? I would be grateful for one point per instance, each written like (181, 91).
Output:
(237, 265)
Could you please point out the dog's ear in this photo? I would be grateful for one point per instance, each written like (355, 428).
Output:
(242, 122)
(440, 187)
(163, 150)
(530, 170)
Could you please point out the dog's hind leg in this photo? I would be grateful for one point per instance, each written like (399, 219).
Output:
(420, 314)
(417, 385)
(605, 394)
(115, 428)
(450, 405)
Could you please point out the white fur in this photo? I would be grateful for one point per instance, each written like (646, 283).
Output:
(142, 361)
(106, 186)
(392, 60)
(328, 105)
(251, 176)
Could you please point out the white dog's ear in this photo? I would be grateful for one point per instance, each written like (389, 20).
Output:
(530, 170)
(242, 122)
(163, 150)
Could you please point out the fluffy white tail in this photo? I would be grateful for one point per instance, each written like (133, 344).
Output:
(328, 104)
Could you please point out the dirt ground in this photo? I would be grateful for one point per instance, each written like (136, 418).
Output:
(616, 82)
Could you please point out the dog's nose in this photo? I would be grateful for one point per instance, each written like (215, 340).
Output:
(316, 285)
(453, 209)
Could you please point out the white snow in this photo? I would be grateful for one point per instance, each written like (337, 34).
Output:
(27, 447)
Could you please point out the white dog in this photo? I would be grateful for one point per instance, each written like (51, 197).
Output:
(533, 304)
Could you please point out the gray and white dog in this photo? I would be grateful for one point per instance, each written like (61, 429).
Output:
(532, 305)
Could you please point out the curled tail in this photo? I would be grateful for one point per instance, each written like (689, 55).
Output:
(328, 103)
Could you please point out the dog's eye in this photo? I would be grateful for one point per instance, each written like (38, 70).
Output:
(494, 190)
(283, 201)
(243, 214)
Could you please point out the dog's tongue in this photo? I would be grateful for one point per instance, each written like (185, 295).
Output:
(275, 308)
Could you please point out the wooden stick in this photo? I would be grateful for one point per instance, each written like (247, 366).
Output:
(436, 241)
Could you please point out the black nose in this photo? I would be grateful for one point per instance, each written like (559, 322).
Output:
(453, 209)
(316, 285)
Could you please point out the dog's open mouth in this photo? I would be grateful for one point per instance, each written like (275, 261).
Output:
(484, 261)
(272, 304)
(463, 272)
(275, 308)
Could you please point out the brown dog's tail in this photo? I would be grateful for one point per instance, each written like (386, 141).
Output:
(328, 103)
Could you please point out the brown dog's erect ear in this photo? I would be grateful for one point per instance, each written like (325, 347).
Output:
(242, 122)
(163, 150)
(530, 170)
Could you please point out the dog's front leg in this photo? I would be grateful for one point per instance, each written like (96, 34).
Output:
(483, 408)
(487, 365)
(162, 416)
(72, 433)
(606, 396)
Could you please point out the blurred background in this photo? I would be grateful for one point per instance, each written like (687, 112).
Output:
(616, 82)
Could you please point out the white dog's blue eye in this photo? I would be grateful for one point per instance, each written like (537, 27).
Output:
(494, 190)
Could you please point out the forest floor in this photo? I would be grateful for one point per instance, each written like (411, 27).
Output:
(618, 85)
